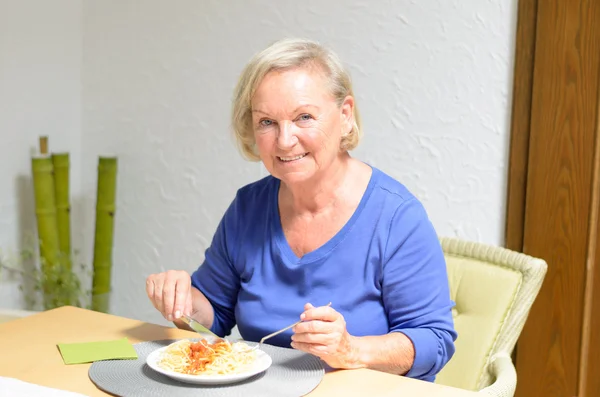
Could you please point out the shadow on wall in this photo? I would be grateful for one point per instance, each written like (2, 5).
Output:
(26, 233)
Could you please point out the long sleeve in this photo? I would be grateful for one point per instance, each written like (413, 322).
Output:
(217, 277)
(415, 290)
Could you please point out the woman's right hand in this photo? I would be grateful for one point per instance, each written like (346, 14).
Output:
(171, 293)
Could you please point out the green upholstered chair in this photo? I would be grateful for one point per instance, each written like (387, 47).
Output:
(493, 289)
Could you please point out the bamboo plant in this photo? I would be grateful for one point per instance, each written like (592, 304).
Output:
(60, 162)
(58, 284)
(103, 240)
(56, 278)
(45, 211)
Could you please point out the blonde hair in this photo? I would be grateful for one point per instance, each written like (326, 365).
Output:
(281, 55)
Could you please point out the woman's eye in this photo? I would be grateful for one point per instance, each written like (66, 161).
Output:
(266, 123)
(305, 117)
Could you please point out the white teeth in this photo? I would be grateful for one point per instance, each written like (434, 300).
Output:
(292, 158)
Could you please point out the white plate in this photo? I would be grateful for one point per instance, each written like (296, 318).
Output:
(262, 363)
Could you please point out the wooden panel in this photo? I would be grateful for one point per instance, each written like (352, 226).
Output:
(521, 116)
(589, 381)
(563, 120)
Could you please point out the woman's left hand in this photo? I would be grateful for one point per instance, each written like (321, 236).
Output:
(323, 333)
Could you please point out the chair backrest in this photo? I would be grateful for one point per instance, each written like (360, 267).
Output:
(493, 289)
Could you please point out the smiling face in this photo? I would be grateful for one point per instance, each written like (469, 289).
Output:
(298, 125)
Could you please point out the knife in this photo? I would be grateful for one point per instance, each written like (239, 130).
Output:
(196, 326)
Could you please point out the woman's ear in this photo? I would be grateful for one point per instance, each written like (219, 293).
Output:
(347, 115)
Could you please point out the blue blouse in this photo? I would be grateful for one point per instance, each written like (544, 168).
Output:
(384, 271)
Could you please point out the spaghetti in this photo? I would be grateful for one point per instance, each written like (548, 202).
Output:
(204, 358)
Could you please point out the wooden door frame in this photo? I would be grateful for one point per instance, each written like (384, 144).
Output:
(520, 123)
(520, 165)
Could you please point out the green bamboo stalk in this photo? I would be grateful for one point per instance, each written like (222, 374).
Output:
(103, 239)
(45, 210)
(60, 162)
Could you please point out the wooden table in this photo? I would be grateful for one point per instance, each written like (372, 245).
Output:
(28, 352)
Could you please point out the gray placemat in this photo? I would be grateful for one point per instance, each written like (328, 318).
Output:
(293, 373)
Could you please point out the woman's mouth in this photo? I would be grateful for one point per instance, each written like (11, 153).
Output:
(291, 158)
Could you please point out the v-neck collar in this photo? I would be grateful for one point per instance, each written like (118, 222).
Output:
(330, 245)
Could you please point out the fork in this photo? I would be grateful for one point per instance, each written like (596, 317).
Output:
(282, 330)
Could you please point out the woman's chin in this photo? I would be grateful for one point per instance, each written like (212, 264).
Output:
(295, 177)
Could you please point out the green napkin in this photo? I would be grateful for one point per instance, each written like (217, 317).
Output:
(78, 353)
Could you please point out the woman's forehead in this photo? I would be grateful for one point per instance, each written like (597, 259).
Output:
(292, 79)
(291, 87)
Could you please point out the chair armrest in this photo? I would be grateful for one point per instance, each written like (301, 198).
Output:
(503, 371)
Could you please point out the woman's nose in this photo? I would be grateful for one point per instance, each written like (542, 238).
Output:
(286, 139)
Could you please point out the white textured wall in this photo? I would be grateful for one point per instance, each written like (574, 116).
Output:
(40, 94)
(433, 83)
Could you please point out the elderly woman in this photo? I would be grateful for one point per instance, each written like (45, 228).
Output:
(323, 227)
